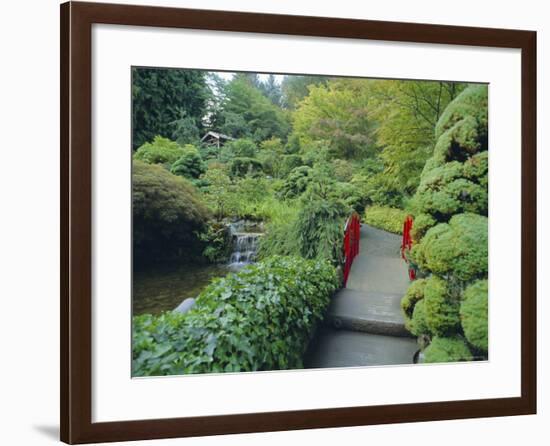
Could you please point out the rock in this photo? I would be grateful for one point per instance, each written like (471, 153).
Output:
(185, 305)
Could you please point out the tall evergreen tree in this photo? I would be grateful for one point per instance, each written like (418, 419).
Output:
(162, 96)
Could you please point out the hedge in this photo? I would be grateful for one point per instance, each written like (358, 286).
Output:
(261, 318)
(452, 349)
(474, 314)
(386, 218)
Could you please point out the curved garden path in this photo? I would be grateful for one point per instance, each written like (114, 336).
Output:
(364, 324)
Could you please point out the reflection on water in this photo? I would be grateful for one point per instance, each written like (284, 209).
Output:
(163, 287)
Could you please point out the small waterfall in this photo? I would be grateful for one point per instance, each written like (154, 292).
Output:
(245, 244)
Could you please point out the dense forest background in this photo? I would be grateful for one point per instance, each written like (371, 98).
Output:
(300, 146)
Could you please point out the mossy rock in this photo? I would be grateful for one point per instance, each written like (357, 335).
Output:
(472, 102)
(418, 325)
(414, 293)
(474, 313)
(452, 349)
(441, 308)
(458, 248)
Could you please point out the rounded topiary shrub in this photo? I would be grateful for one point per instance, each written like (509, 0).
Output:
(458, 248)
(470, 103)
(414, 293)
(442, 309)
(421, 223)
(168, 212)
(476, 169)
(474, 312)
(418, 325)
(447, 350)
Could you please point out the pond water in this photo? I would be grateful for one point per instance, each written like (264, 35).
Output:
(163, 287)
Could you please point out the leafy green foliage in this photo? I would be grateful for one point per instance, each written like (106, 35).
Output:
(421, 224)
(418, 324)
(441, 308)
(452, 349)
(459, 247)
(247, 113)
(217, 241)
(242, 147)
(297, 182)
(160, 97)
(474, 313)
(296, 88)
(335, 113)
(190, 165)
(259, 319)
(414, 293)
(472, 102)
(406, 113)
(386, 218)
(160, 151)
(186, 130)
(167, 211)
(455, 179)
(242, 166)
(319, 228)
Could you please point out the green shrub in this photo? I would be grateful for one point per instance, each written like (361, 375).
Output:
(343, 169)
(418, 325)
(241, 166)
(243, 148)
(217, 239)
(476, 169)
(190, 165)
(421, 224)
(443, 192)
(458, 248)
(386, 218)
(472, 102)
(319, 228)
(414, 293)
(452, 349)
(441, 308)
(474, 313)
(167, 211)
(261, 318)
(160, 151)
(288, 163)
(296, 183)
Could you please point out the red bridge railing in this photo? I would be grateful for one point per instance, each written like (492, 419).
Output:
(406, 245)
(352, 234)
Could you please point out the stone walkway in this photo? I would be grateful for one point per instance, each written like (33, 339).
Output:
(364, 324)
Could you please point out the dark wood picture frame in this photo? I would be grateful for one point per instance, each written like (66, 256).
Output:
(76, 221)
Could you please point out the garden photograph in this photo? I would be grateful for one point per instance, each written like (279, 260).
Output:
(284, 222)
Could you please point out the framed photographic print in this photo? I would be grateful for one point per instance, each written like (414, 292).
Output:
(282, 222)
